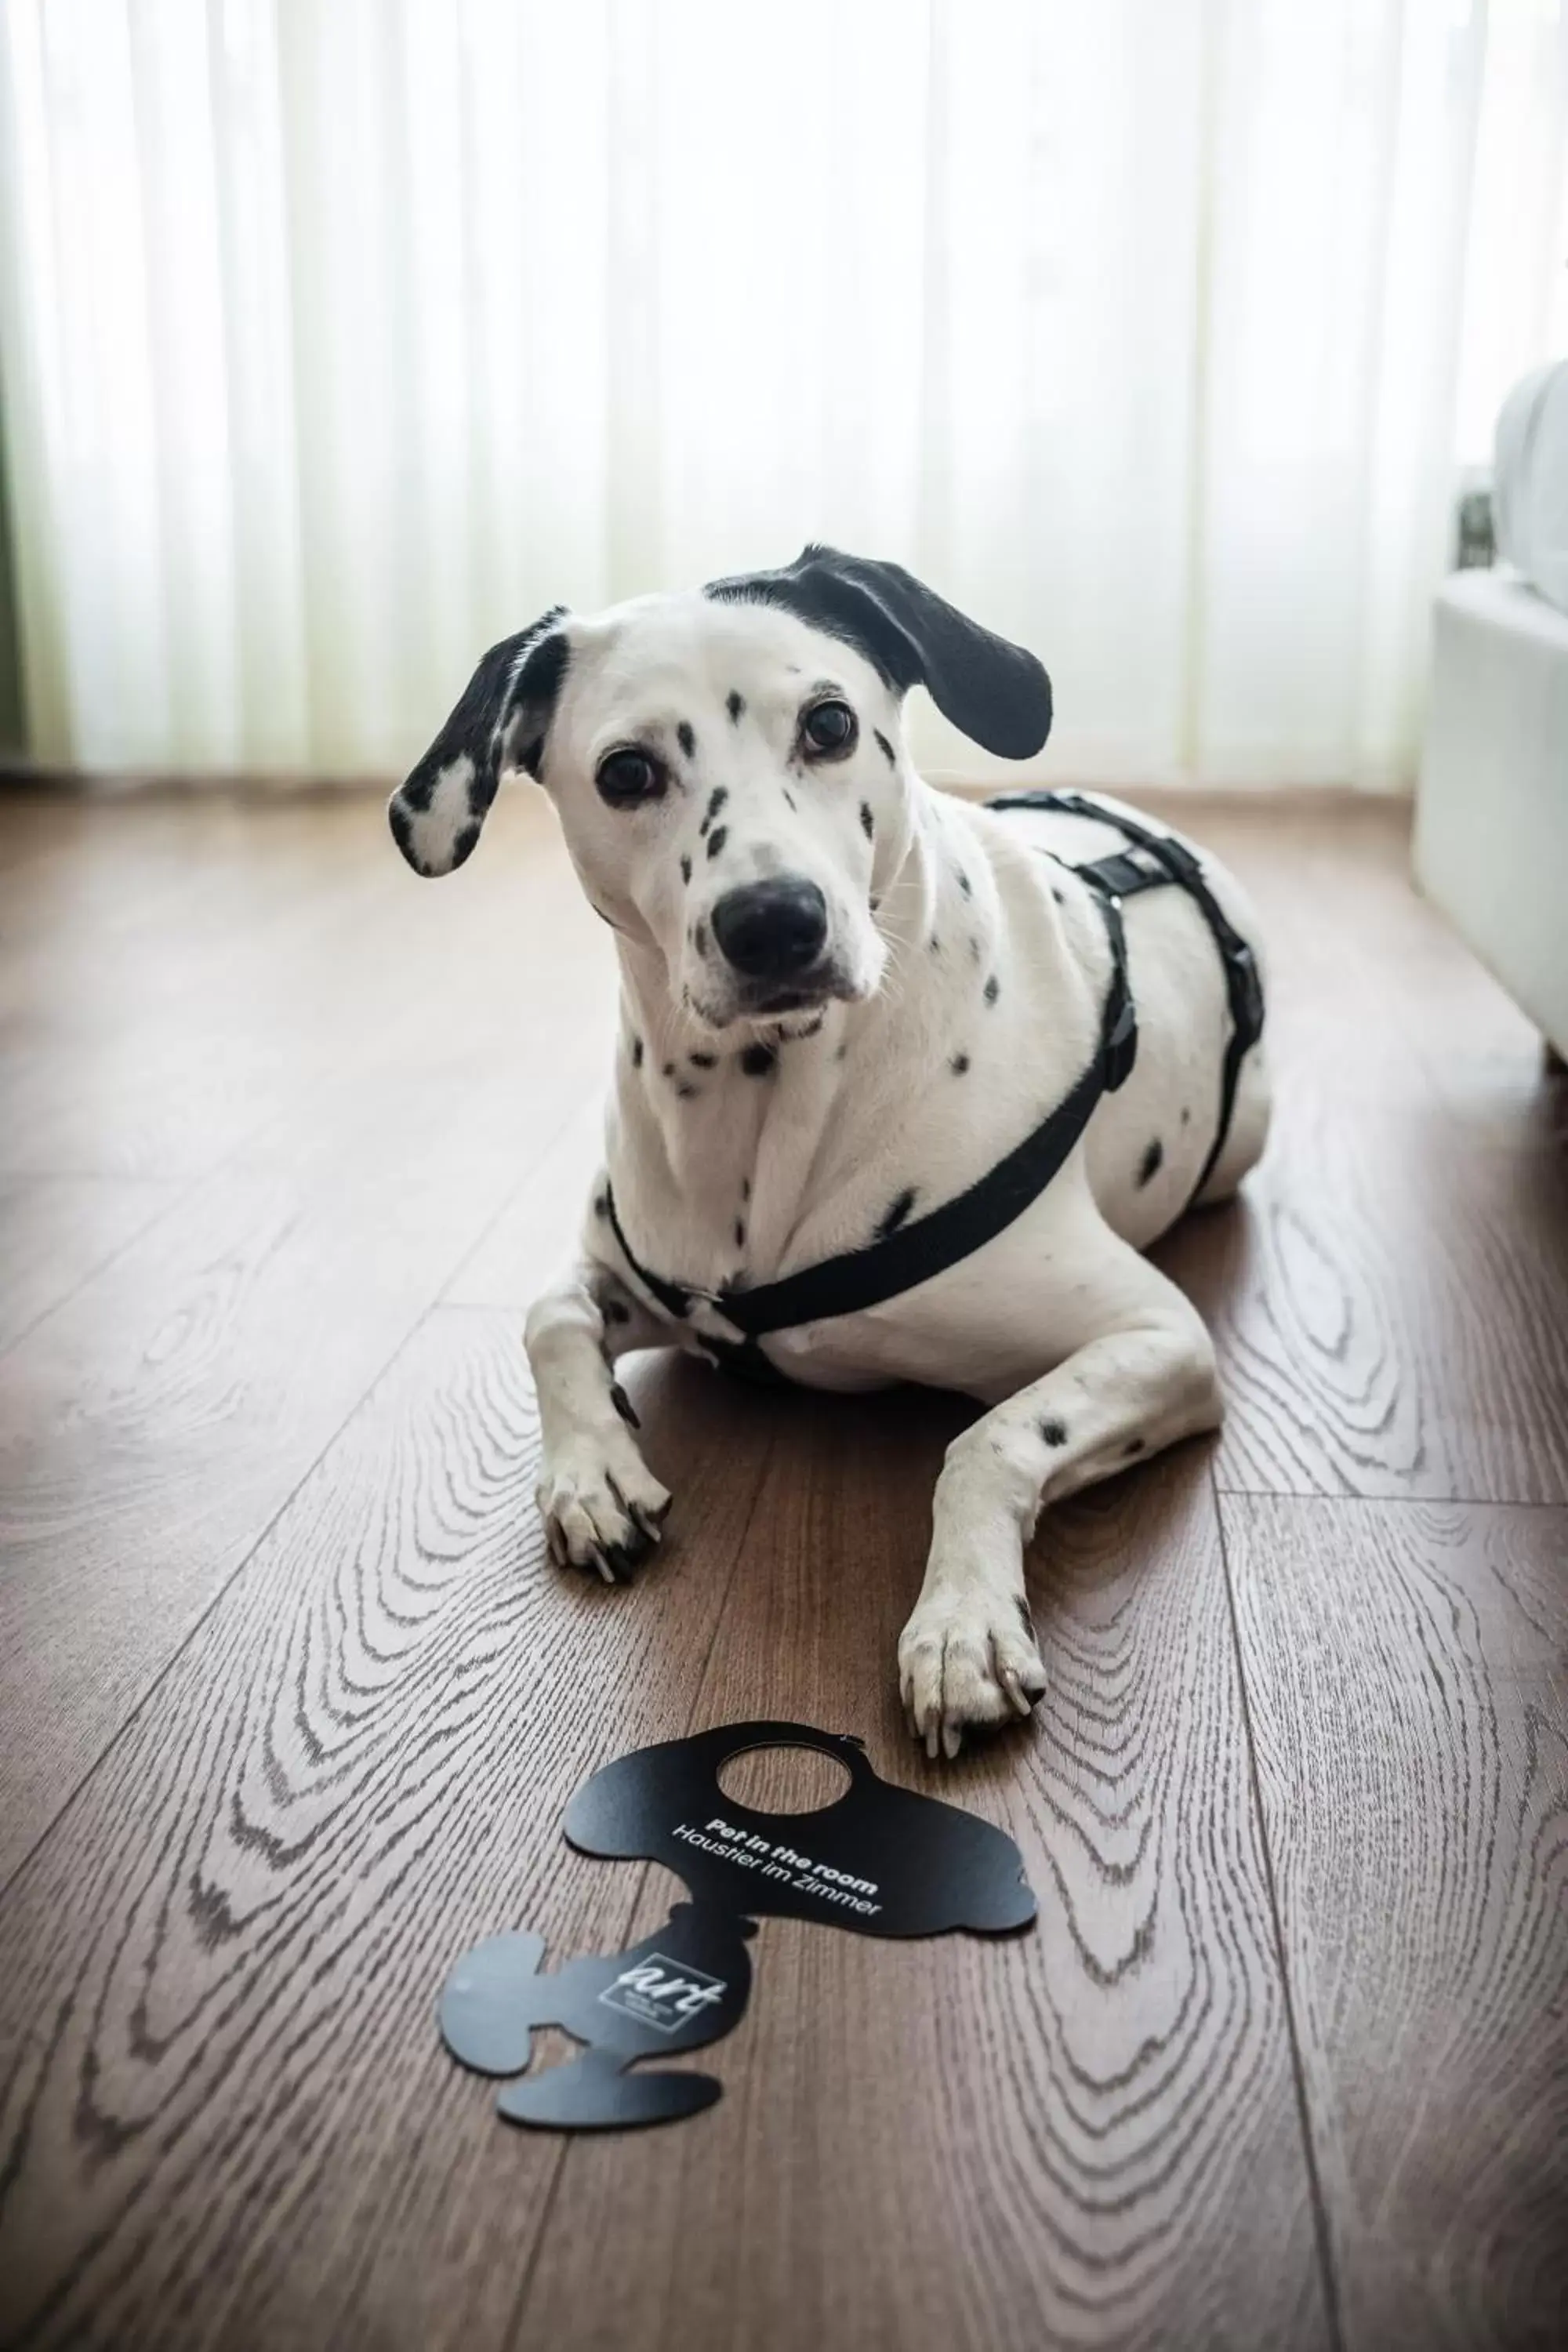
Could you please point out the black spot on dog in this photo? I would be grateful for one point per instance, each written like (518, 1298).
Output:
(717, 839)
(686, 1092)
(668, 1070)
(735, 704)
(867, 821)
(1058, 897)
(886, 749)
(716, 801)
(615, 1312)
(934, 944)
(965, 883)
(740, 1233)
(1135, 1445)
(993, 989)
(894, 1214)
(1186, 1116)
(700, 939)
(973, 951)
(686, 736)
(636, 1053)
(745, 1188)
(790, 801)
(1149, 1166)
(463, 843)
(703, 1061)
(759, 1061)
(686, 869)
(875, 904)
(1054, 1433)
(959, 1063)
(602, 1205)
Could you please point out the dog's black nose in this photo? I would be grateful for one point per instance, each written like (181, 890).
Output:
(768, 930)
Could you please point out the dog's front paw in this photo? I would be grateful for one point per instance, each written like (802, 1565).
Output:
(601, 1504)
(967, 1662)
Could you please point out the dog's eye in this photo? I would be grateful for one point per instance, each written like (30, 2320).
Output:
(830, 727)
(627, 776)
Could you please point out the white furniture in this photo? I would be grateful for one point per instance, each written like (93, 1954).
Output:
(1492, 826)
(1530, 485)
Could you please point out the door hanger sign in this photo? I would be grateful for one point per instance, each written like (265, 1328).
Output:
(879, 1859)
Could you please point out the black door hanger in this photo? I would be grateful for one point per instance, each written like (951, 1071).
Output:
(878, 1860)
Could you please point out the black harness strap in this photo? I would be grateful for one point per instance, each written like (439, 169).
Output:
(1172, 861)
(861, 1278)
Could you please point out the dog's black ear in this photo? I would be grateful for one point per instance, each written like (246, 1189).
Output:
(435, 816)
(998, 694)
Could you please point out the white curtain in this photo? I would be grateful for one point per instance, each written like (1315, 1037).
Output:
(340, 337)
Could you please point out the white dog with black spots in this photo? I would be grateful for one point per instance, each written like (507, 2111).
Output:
(845, 998)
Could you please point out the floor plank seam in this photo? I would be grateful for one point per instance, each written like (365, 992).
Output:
(111, 1257)
(1402, 1500)
(520, 2308)
(1327, 2271)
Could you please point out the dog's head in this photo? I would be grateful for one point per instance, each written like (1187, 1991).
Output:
(729, 766)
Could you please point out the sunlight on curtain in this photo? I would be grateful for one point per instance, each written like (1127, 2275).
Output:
(340, 340)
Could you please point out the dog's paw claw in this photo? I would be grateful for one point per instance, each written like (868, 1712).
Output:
(602, 1507)
(966, 1665)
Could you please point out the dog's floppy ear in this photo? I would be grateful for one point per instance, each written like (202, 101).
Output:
(435, 816)
(998, 694)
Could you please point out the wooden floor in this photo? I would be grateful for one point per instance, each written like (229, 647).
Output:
(290, 1699)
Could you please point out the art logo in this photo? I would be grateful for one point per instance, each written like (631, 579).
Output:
(661, 1992)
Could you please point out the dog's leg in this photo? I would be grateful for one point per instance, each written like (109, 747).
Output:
(967, 1656)
(601, 1504)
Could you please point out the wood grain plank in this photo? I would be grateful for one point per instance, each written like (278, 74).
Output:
(296, 954)
(227, 2119)
(1390, 1307)
(224, 2120)
(517, 1253)
(55, 1232)
(161, 995)
(1407, 1667)
(1390, 1296)
(1088, 2135)
(152, 1425)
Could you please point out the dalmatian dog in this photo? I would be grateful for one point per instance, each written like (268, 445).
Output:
(845, 999)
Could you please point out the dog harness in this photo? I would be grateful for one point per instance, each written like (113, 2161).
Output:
(859, 1278)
